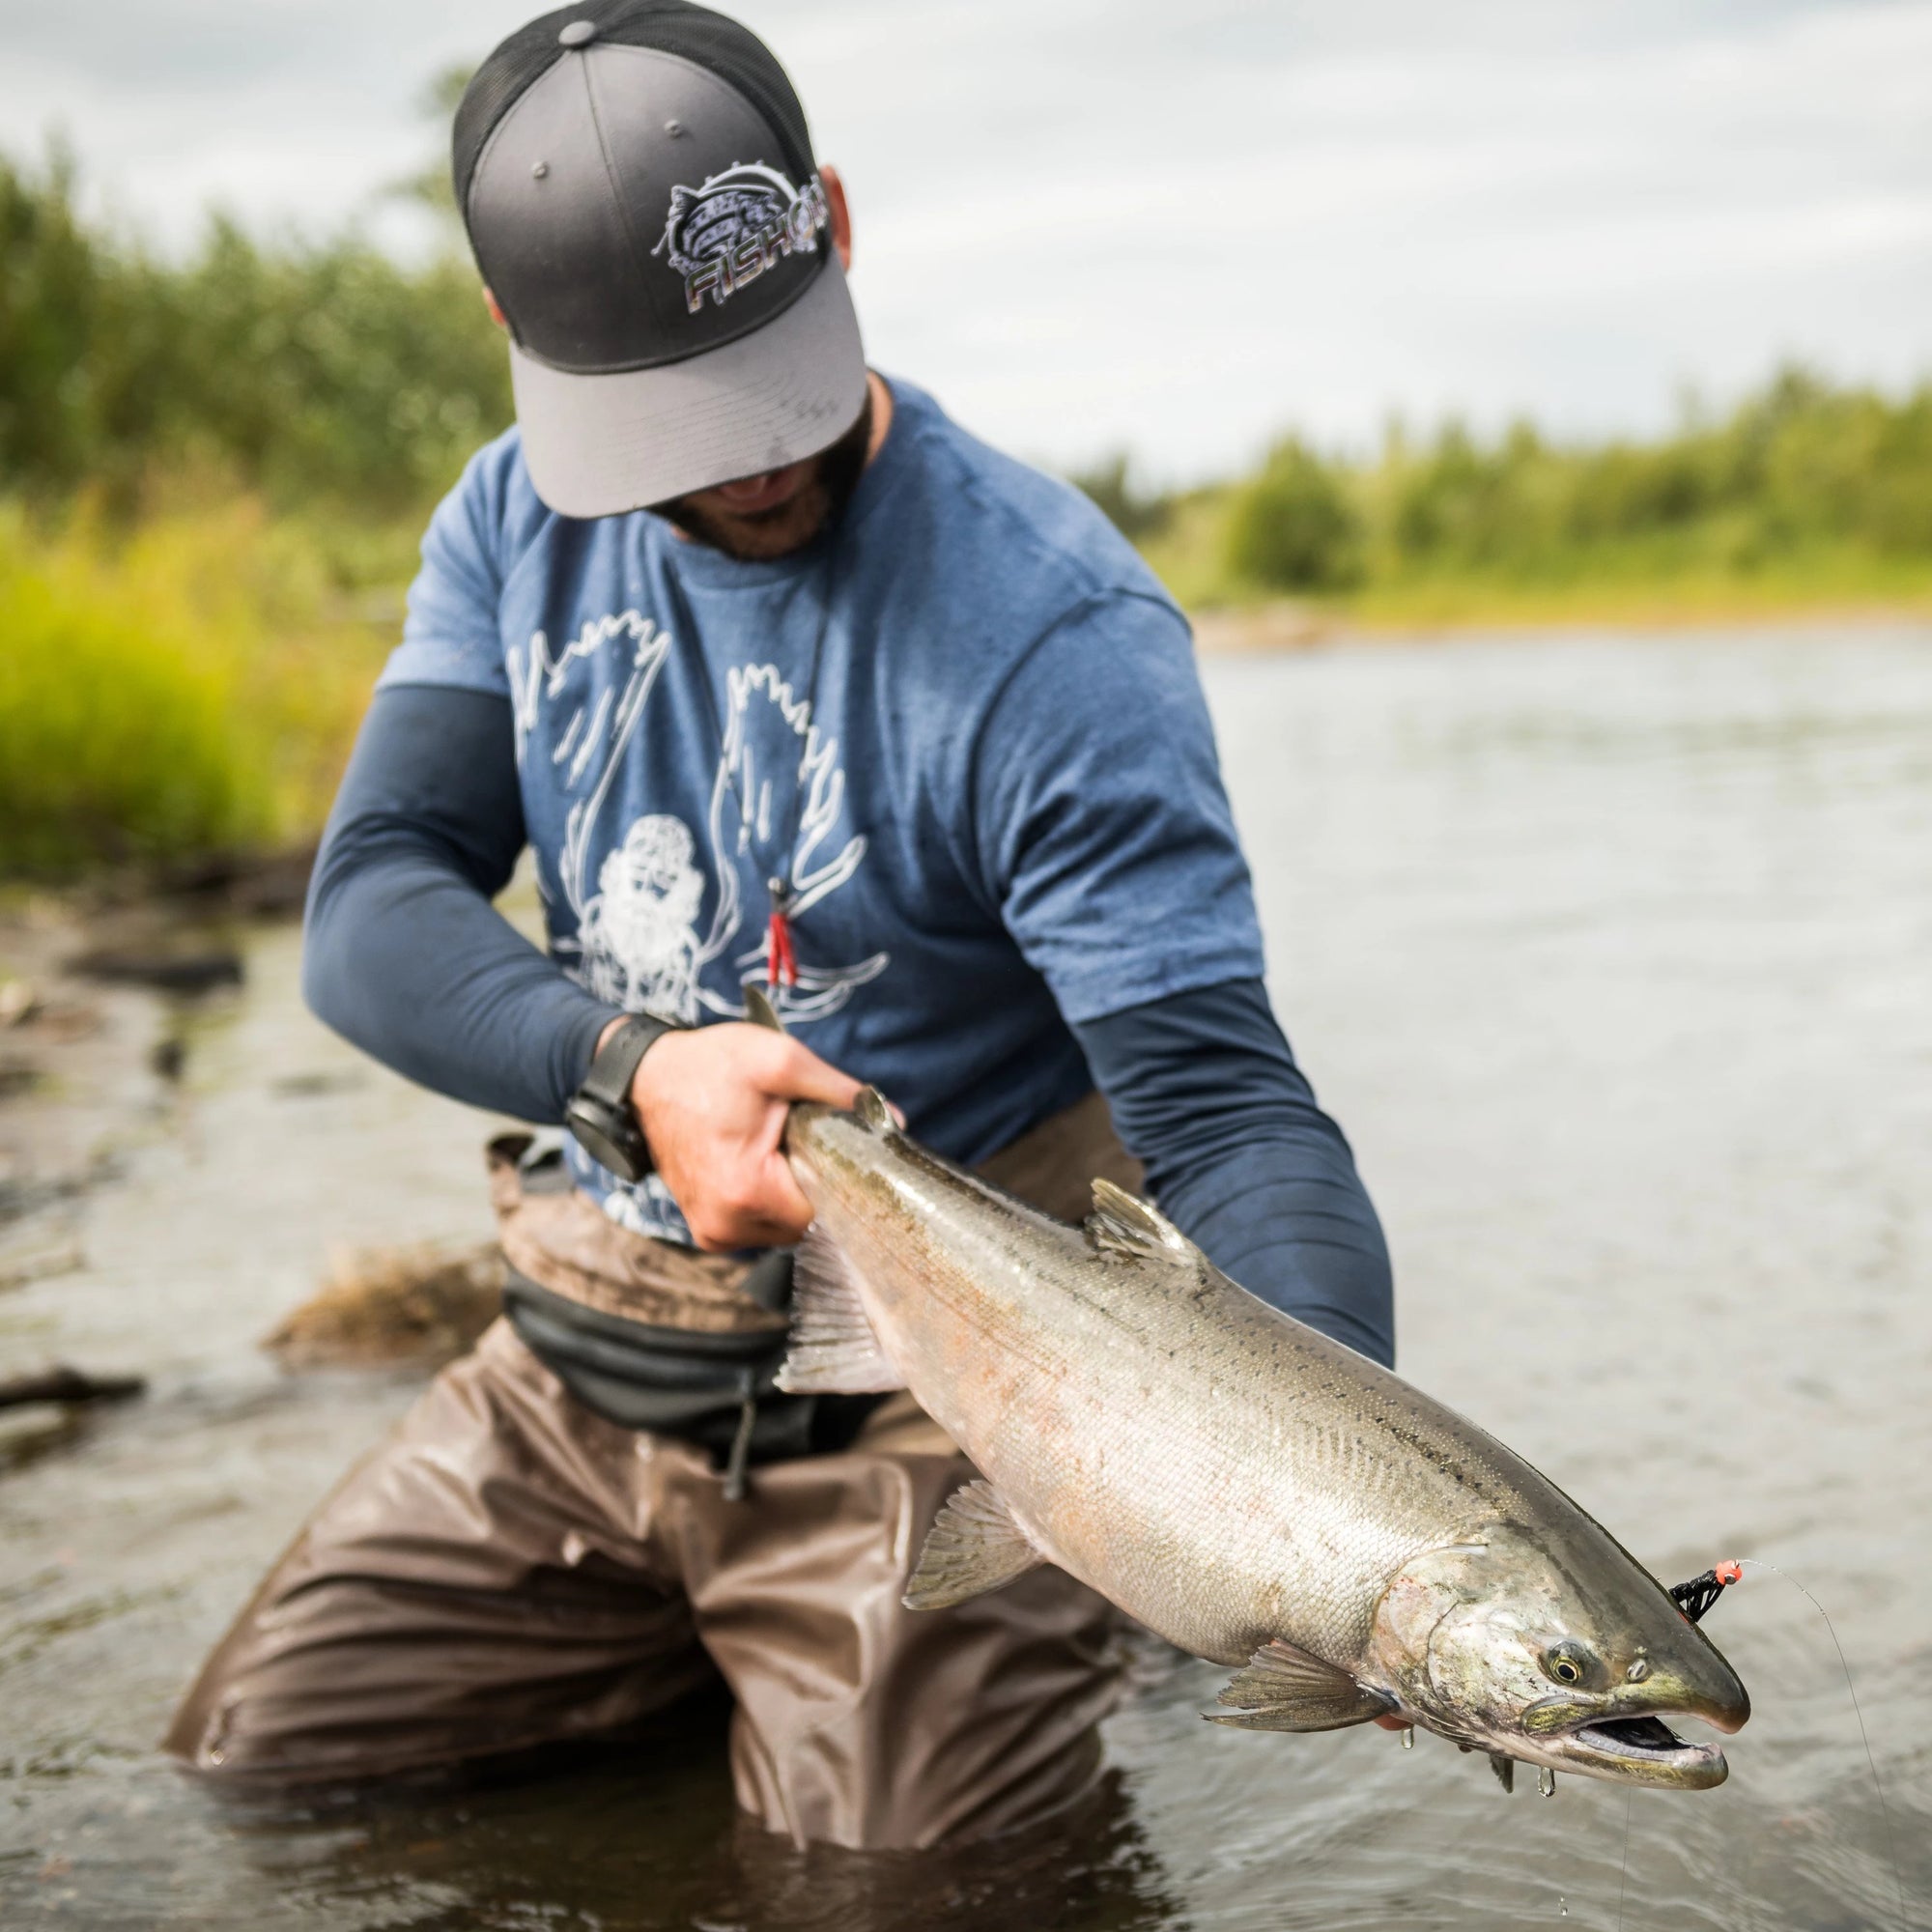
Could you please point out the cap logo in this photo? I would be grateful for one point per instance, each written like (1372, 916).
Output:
(736, 225)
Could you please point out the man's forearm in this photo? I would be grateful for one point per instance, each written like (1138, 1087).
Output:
(1205, 1093)
(404, 953)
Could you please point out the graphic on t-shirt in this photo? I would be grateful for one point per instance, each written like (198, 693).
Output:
(630, 887)
(640, 933)
(638, 888)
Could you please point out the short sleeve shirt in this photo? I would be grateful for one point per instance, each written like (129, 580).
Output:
(964, 731)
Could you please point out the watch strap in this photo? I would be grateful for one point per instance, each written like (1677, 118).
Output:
(609, 1081)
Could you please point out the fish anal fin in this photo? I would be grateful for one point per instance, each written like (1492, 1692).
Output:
(975, 1545)
(1127, 1225)
(834, 1349)
(1284, 1689)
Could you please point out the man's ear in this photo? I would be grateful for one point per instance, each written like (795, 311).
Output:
(841, 215)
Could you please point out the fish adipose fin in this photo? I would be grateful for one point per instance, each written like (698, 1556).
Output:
(974, 1546)
(834, 1349)
(1125, 1225)
(1284, 1689)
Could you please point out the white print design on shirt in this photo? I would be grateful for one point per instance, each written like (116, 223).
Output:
(639, 943)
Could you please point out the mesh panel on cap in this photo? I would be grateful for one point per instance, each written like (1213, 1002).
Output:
(731, 51)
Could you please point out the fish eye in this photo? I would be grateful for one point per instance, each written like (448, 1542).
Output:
(1568, 1661)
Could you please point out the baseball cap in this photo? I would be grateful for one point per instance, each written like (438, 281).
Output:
(637, 181)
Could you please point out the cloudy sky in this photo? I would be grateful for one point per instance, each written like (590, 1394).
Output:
(1088, 223)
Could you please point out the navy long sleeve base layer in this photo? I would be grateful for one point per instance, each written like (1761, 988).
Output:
(407, 957)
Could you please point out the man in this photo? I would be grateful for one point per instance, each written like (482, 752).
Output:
(781, 677)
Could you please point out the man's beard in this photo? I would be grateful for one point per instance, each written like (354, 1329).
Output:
(789, 527)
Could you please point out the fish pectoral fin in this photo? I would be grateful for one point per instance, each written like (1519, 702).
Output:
(758, 1007)
(1127, 1225)
(975, 1545)
(1284, 1689)
(1504, 1769)
(834, 1349)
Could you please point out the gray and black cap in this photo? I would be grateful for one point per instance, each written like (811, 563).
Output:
(637, 184)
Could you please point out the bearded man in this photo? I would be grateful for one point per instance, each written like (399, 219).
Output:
(913, 737)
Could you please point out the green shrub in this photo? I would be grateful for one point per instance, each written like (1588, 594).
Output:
(185, 689)
(309, 371)
(1293, 528)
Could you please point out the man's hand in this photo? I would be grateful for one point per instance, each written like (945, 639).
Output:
(713, 1102)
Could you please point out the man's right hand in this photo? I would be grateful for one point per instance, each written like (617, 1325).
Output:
(713, 1102)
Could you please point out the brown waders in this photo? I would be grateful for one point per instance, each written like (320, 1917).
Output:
(510, 1571)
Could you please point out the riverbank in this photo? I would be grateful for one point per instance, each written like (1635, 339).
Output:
(1447, 613)
(190, 683)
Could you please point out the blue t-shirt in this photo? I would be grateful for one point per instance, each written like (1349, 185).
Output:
(995, 798)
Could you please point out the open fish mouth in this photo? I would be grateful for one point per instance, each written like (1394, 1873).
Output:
(1642, 1750)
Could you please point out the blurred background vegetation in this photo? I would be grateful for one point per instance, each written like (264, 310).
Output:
(214, 472)
(1804, 493)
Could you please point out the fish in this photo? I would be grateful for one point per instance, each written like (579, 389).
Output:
(1252, 1491)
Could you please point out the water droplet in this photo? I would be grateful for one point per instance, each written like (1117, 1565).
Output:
(1408, 1738)
(1545, 1782)
(1563, 1908)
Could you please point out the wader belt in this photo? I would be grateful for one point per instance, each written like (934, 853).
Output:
(654, 1336)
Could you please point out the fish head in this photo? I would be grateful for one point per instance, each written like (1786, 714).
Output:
(1572, 1658)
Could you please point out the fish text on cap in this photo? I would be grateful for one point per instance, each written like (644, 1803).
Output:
(735, 225)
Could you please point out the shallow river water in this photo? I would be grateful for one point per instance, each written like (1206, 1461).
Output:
(1614, 956)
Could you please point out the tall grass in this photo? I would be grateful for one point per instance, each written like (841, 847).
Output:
(187, 685)
(214, 471)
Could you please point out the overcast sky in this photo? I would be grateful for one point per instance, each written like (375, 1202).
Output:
(1180, 227)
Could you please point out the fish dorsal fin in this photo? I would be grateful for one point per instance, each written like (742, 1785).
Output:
(834, 1349)
(1284, 1689)
(1126, 1223)
(873, 1110)
(975, 1545)
(758, 1007)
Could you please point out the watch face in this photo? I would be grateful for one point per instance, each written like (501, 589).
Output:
(595, 1137)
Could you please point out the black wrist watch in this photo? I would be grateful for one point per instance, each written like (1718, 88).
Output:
(600, 1113)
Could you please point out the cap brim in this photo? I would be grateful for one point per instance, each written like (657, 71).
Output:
(600, 445)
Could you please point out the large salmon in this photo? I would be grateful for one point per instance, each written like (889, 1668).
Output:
(1256, 1494)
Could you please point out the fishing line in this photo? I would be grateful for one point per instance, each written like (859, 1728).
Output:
(1865, 1737)
(1623, 1877)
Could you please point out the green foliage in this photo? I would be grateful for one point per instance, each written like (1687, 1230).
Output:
(1803, 483)
(212, 463)
(115, 732)
(1294, 527)
(307, 371)
(190, 686)
(219, 467)
(1133, 512)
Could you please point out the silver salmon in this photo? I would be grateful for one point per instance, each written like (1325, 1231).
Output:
(1256, 1494)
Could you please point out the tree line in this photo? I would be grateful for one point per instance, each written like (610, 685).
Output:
(1799, 467)
(302, 370)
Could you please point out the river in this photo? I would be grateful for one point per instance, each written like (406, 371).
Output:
(1613, 956)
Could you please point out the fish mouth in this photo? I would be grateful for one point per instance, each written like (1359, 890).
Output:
(1640, 1751)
